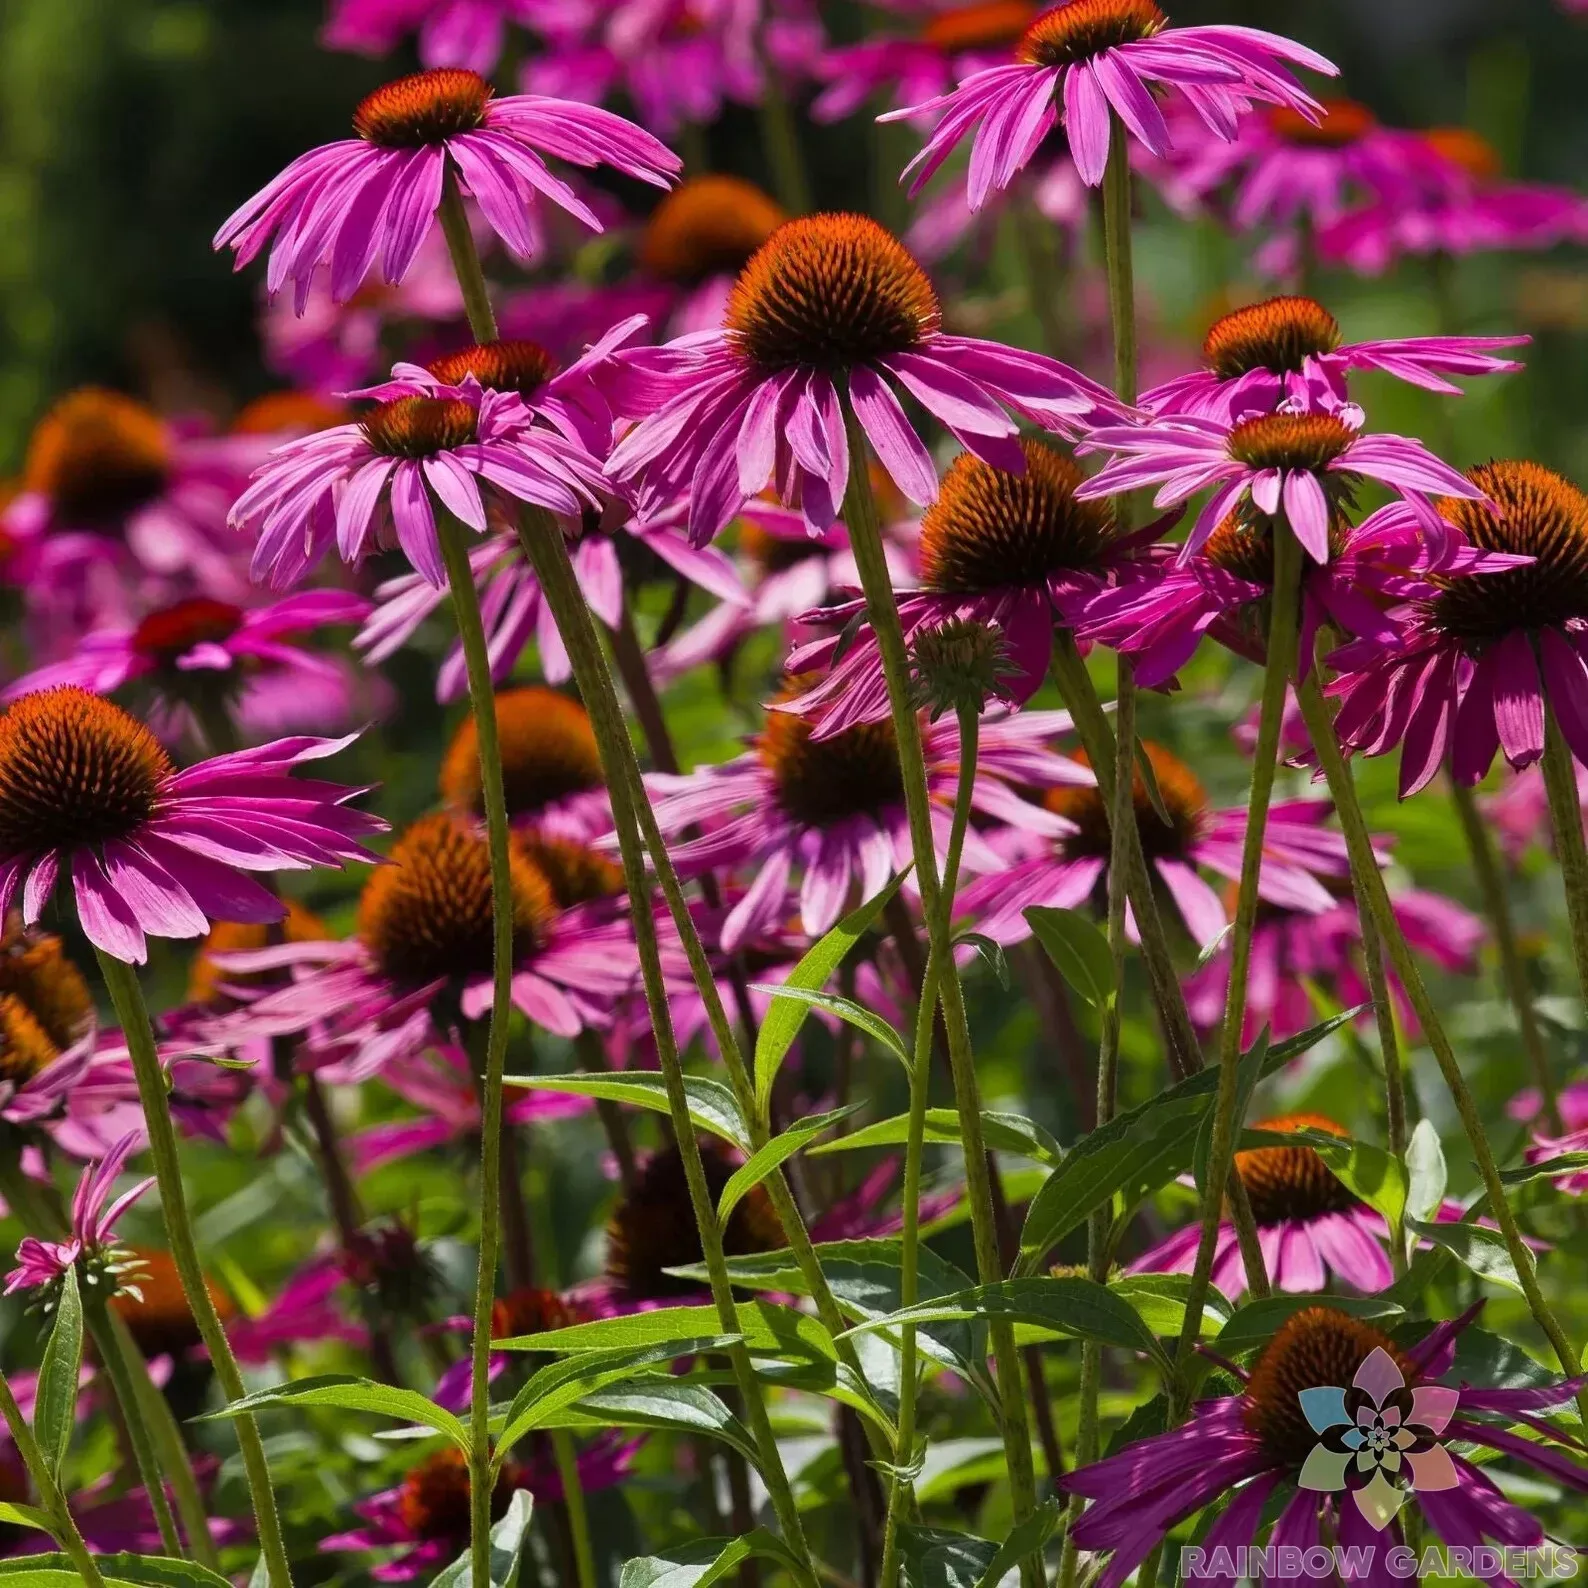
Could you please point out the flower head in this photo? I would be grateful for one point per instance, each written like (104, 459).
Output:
(346, 204)
(87, 789)
(1099, 59)
(156, 1310)
(1469, 672)
(825, 300)
(467, 33)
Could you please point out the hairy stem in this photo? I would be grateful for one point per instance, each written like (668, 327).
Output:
(567, 1460)
(64, 1529)
(1565, 814)
(465, 260)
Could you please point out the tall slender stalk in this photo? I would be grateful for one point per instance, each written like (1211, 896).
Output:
(1513, 972)
(1565, 814)
(914, 1151)
(1319, 719)
(1395, 1122)
(65, 1529)
(127, 997)
(865, 536)
(567, 1460)
(465, 260)
(780, 143)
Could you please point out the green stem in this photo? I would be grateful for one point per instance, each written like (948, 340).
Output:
(573, 1502)
(1565, 813)
(1342, 788)
(1395, 1113)
(781, 144)
(548, 555)
(865, 534)
(1513, 972)
(65, 1529)
(127, 997)
(1043, 276)
(1118, 258)
(482, 702)
(914, 1151)
(465, 260)
(125, 1389)
(1283, 626)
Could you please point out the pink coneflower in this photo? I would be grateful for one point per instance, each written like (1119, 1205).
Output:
(104, 1266)
(1388, 559)
(1474, 664)
(1307, 463)
(345, 204)
(1518, 811)
(467, 33)
(1252, 1447)
(830, 813)
(1290, 353)
(421, 956)
(1016, 552)
(382, 476)
(1106, 57)
(1572, 1142)
(86, 788)
(1068, 869)
(1294, 953)
(827, 298)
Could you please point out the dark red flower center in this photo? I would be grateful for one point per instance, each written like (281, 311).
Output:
(1243, 544)
(1463, 148)
(158, 1315)
(164, 636)
(1541, 515)
(299, 412)
(707, 226)
(74, 770)
(98, 455)
(577, 873)
(531, 1310)
(549, 752)
(420, 427)
(1315, 1348)
(520, 366)
(1279, 335)
(433, 1502)
(35, 971)
(979, 27)
(1344, 122)
(25, 1046)
(1285, 1183)
(1184, 799)
(427, 108)
(1291, 441)
(1080, 29)
(828, 292)
(989, 529)
(820, 782)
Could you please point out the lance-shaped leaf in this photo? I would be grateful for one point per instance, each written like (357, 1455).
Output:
(119, 1570)
(1080, 951)
(776, 1152)
(1255, 1324)
(1160, 1300)
(353, 1395)
(55, 1405)
(662, 1402)
(507, 1548)
(766, 1328)
(1473, 1246)
(711, 1104)
(1426, 1174)
(1004, 1132)
(705, 1561)
(856, 1014)
(935, 1558)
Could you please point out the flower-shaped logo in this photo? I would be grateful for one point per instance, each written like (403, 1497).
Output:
(1378, 1439)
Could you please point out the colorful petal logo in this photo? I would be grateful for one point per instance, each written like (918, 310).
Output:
(1379, 1439)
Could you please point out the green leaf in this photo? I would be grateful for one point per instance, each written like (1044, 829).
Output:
(1080, 1308)
(766, 1327)
(1552, 1169)
(935, 1558)
(1214, 947)
(1247, 1074)
(145, 1571)
(1255, 1324)
(1486, 1358)
(787, 1015)
(990, 951)
(352, 1395)
(1281, 1053)
(1376, 1176)
(507, 1548)
(663, 1403)
(712, 1106)
(1160, 1301)
(1482, 1250)
(1025, 1538)
(705, 1561)
(1426, 1176)
(1079, 949)
(751, 1173)
(55, 1405)
(1004, 1132)
(846, 1009)
(26, 1516)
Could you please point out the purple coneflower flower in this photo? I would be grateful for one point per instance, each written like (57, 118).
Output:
(467, 33)
(826, 298)
(1476, 662)
(345, 204)
(1067, 869)
(464, 449)
(1544, 1147)
(104, 1265)
(1257, 1448)
(1307, 463)
(1016, 552)
(1289, 353)
(1105, 58)
(424, 931)
(87, 789)
(1159, 617)
(830, 812)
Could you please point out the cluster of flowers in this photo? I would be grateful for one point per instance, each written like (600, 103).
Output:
(732, 420)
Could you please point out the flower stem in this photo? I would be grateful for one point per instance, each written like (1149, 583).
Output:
(914, 1151)
(482, 701)
(1389, 1053)
(1118, 258)
(781, 144)
(65, 1529)
(567, 1459)
(1565, 814)
(1044, 274)
(1342, 788)
(139, 1440)
(465, 259)
(1513, 972)
(127, 997)
(865, 534)
(548, 554)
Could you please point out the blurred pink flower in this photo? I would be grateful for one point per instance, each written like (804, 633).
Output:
(467, 33)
